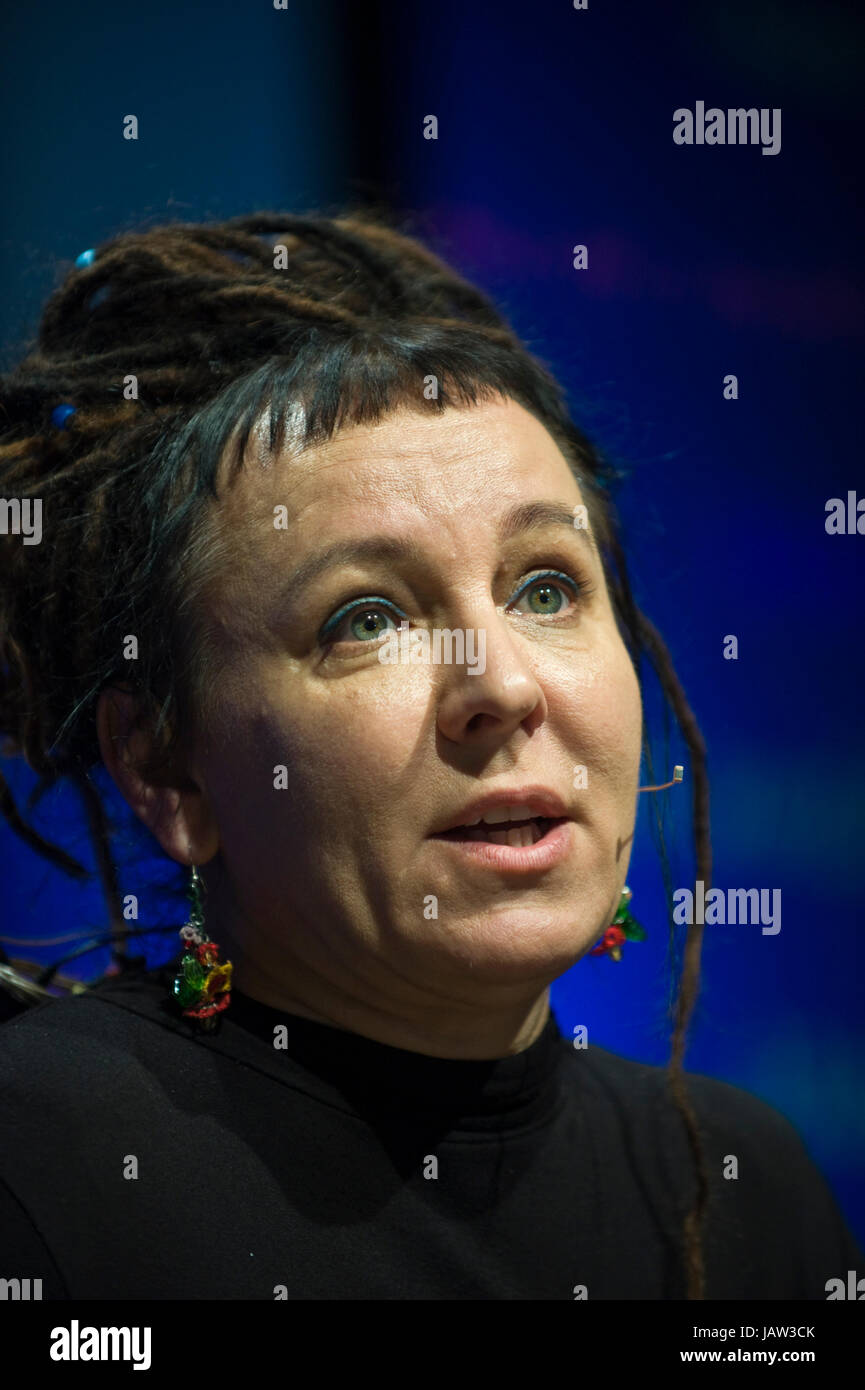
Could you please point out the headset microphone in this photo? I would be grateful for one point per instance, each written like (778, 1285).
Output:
(678, 773)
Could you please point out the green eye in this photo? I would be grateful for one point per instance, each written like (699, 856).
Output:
(364, 618)
(545, 596)
(367, 624)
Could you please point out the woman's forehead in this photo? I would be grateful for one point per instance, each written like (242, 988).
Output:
(435, 491)
(440, 461)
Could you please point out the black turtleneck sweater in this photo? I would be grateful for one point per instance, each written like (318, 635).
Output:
(341, 1168)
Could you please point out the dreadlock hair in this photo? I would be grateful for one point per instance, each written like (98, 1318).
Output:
(169, 344)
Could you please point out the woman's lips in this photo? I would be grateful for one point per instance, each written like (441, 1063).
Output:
(472, 844)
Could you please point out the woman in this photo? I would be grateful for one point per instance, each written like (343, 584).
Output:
(270, 453)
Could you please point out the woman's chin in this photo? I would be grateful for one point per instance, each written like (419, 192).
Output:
(508, 947)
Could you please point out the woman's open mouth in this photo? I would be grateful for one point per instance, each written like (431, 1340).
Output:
(518, 833)
(513, 846)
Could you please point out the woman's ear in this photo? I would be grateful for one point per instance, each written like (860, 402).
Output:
(176, 808)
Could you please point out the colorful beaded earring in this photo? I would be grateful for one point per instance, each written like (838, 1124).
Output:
(623, 928)
(202, 985)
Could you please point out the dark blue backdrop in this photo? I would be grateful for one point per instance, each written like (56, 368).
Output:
(555, 128)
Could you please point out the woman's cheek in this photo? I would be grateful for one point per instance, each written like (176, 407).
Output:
(343, 738)
(599, 697)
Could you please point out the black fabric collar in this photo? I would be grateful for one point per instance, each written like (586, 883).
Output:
(502, 1092)
(384, 1084)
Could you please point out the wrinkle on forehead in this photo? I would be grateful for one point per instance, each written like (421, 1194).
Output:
(357, 451)
(408, 433)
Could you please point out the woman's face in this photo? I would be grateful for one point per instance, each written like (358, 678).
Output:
(330, 873)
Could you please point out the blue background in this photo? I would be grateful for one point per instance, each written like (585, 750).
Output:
(555, 128)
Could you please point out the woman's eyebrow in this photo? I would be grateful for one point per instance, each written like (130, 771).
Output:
(531, 516)
(525, 516)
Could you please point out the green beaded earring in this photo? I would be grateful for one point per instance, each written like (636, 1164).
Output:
(202, 985)
(624, 928)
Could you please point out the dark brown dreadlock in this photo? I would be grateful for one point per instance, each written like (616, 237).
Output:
(170, 345)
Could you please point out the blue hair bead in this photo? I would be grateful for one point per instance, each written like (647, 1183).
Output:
(86, 258)
(60, 414)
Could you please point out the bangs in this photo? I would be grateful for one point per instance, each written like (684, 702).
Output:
(335, 378)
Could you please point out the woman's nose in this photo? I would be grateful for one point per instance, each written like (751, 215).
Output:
(496, 695)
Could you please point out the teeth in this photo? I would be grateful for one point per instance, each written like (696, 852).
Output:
(502, 813)
(520, 836)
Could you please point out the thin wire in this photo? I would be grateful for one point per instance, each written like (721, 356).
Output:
(75, 936)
